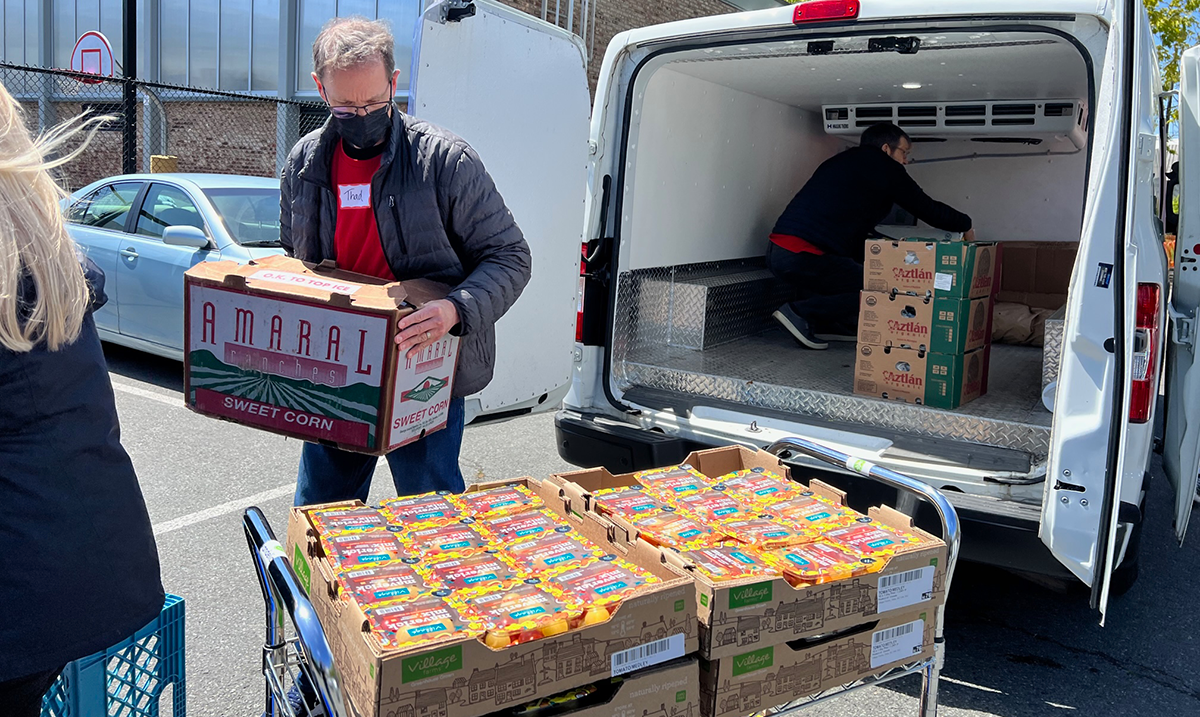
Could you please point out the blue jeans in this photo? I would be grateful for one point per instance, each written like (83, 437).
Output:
(430, 464)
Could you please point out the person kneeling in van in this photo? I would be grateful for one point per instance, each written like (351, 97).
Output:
(817, 244)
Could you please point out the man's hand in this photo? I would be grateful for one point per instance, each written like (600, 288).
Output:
(969, 235)
(426, 326)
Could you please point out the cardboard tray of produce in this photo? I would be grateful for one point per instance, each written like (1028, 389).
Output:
(739, 615)
(464, 677)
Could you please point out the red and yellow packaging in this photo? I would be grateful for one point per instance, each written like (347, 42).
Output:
(457, 572)
(521, 613)
(347, 550)
(766, 533)
(507, 528)
(712, 506)
(870, 539)
(815, 513)
(668, 528)
(729, 563)
(597, 588)
(505, 500)
(632, 501)
(534, 556)
(353, 519)
(429, 508)
(463, 537)
(430, 618)
(669, 483)
(818, 563)
(759, 487)
(382, 582)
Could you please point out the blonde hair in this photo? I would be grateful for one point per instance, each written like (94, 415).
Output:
(33, 237)
(350, 41)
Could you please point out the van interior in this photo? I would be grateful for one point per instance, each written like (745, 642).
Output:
(721, 138)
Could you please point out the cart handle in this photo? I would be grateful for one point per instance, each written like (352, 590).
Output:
(279, 584)
(950, 528)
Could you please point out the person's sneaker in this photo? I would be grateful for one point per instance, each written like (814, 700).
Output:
(798, 328)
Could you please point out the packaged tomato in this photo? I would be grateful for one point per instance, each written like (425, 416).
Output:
(420, 509)
(552, 551)
(728, 563)
(506, 528)
(597, 588)
(870, 539)
(711, 506)
(671, 529)
(817, 563)
(505, 500)
(456, 572)
(391, 580)
(347, 519)
(427, 619)
(347, 550)
(759, 487)
(462, 537)
(630, 501)
(672, 482)
(522, 613)
(766, 532)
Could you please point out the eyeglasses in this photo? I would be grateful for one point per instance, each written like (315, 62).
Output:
(348, 111)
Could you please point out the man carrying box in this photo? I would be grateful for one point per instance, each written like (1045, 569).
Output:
(384, 194)
(817, 244)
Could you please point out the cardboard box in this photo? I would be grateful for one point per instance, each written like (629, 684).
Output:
(297, 350)
(764, 677)
(668, 690)
(738, 615)
(937, 324)
(464, 677)
(1037, 274)
(961, 270)
(913, 376)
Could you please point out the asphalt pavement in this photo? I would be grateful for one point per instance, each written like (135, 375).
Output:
(1013, 648)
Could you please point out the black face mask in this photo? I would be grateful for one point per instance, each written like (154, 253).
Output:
(364, 131)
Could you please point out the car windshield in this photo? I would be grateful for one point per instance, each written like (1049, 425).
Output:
(250, 215)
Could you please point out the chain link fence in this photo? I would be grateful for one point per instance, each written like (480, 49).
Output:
(203, 130)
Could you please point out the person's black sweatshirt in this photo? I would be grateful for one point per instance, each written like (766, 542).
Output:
(850, 193)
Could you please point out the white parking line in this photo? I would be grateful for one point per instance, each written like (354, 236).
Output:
(233, 506)
(171, 400)
(972, 685)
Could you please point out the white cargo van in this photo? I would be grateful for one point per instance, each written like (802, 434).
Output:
(1039, 118)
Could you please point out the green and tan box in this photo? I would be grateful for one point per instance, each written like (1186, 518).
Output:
(921, 377)
(936, 324)
(740, 615)
(764, 677)
(961, 270)
(466, 678)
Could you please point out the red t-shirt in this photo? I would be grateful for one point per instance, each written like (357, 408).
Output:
(356, 236)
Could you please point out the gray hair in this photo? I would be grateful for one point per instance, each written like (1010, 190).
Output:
(350, 41)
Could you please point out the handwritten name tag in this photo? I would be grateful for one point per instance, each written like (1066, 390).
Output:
(354, 196)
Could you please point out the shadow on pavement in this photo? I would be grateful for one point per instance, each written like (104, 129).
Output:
(140, 366)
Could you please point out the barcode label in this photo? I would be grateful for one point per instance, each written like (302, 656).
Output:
(896, 644)
(651, 653)
(905, 589)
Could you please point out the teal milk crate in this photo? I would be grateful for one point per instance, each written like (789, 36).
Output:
(127, 679)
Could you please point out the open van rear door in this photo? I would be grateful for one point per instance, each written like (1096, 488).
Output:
(1181, 442)
(516, 89)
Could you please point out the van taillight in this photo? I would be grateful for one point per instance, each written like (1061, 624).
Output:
(579, 301)
(821, 10)
(1146, 337)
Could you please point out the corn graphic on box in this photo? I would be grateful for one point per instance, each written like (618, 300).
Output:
(309, 352)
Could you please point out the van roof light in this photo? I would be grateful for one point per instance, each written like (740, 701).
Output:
(825, 10)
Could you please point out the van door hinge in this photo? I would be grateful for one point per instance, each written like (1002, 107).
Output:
(1182, 330)
(456, 10)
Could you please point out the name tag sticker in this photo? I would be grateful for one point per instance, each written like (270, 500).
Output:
(354, 196)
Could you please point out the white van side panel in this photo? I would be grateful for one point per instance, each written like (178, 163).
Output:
(707, 132)
(1042, 195)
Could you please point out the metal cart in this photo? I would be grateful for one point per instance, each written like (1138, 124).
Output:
(307, 652)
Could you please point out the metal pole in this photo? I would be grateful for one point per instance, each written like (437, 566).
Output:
(129, 94)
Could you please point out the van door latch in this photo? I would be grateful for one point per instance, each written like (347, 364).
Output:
(457, 10)
(1182, 331)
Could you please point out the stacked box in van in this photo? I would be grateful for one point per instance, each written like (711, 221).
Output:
(925, 321)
